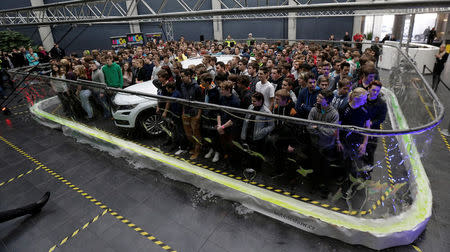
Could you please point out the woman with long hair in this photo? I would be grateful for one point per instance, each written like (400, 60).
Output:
(83, 92)
(60, 88)
(127, 75)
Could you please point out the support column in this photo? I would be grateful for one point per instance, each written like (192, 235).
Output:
(133, 11)
(445, 75)
(292, 24)
(217, 21)
(45, 32)
(377, 21)
(397, 29)
(410, 31)
(357, 24)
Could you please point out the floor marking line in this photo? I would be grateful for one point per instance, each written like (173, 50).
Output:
(20, 175)
(87, 196)
(70, 236)
(20, 105)
(386, 193)
(416, 248)
(432, 117)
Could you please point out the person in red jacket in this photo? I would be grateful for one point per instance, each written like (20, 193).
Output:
(358, 38)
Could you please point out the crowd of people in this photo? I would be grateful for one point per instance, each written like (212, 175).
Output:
(328, 82)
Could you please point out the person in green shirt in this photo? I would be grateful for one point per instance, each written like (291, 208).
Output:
(113, 73)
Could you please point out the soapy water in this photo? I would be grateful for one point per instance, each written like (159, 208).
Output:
(202, 196)
(242, 210)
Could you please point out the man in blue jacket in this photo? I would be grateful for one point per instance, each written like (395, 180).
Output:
(307, 97)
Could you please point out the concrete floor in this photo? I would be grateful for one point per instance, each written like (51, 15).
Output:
(180, 215)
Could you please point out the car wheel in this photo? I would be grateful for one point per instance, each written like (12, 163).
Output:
(151, 123)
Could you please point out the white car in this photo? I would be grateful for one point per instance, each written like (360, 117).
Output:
(132, 111)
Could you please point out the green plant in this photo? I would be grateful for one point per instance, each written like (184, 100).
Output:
(369, 36)
(13, 39)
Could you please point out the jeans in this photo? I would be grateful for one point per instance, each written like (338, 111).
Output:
(84, 97)
(436, 80)
(103, 101)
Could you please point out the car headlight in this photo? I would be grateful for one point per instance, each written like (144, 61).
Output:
(126, 107)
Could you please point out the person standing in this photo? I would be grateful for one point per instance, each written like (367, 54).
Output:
(307, 97)
(352, 144)
(32, 57)
(113, 73)
(250, 40)
(43, 55)
(431, 36)
(127, 75)
(56, 52)
(441, 59)
(191, 116)
(323, 138)
(99, 94)
(377, 108)
(347, 38)
(60, 88)
(265, 87)
(426, 32)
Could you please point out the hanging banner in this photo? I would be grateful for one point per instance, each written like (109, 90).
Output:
(153, 37)
(119, 41)
(135, 39)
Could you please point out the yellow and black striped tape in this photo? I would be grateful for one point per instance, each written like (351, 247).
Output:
(20, 175)
(21, 113)
(77, 231)
(386, 193)
(388, 162)
(18, 106)
(92, 199)
(416, 248)
(444, 138)
(432, 118)
(142, 232)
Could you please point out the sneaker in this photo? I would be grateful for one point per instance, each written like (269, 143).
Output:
(209, 154)
(216, 157)
(179, 152)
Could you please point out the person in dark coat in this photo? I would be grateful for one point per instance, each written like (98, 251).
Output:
(441, 59)
(307, 97)
(431, 36)
(43, 55)
(377, 108)
(56, 52)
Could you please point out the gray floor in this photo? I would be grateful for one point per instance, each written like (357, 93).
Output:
(182, 216)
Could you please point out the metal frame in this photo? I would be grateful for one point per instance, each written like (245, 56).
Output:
(115, 11)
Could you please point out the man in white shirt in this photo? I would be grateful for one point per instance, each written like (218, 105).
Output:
(265, 87)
